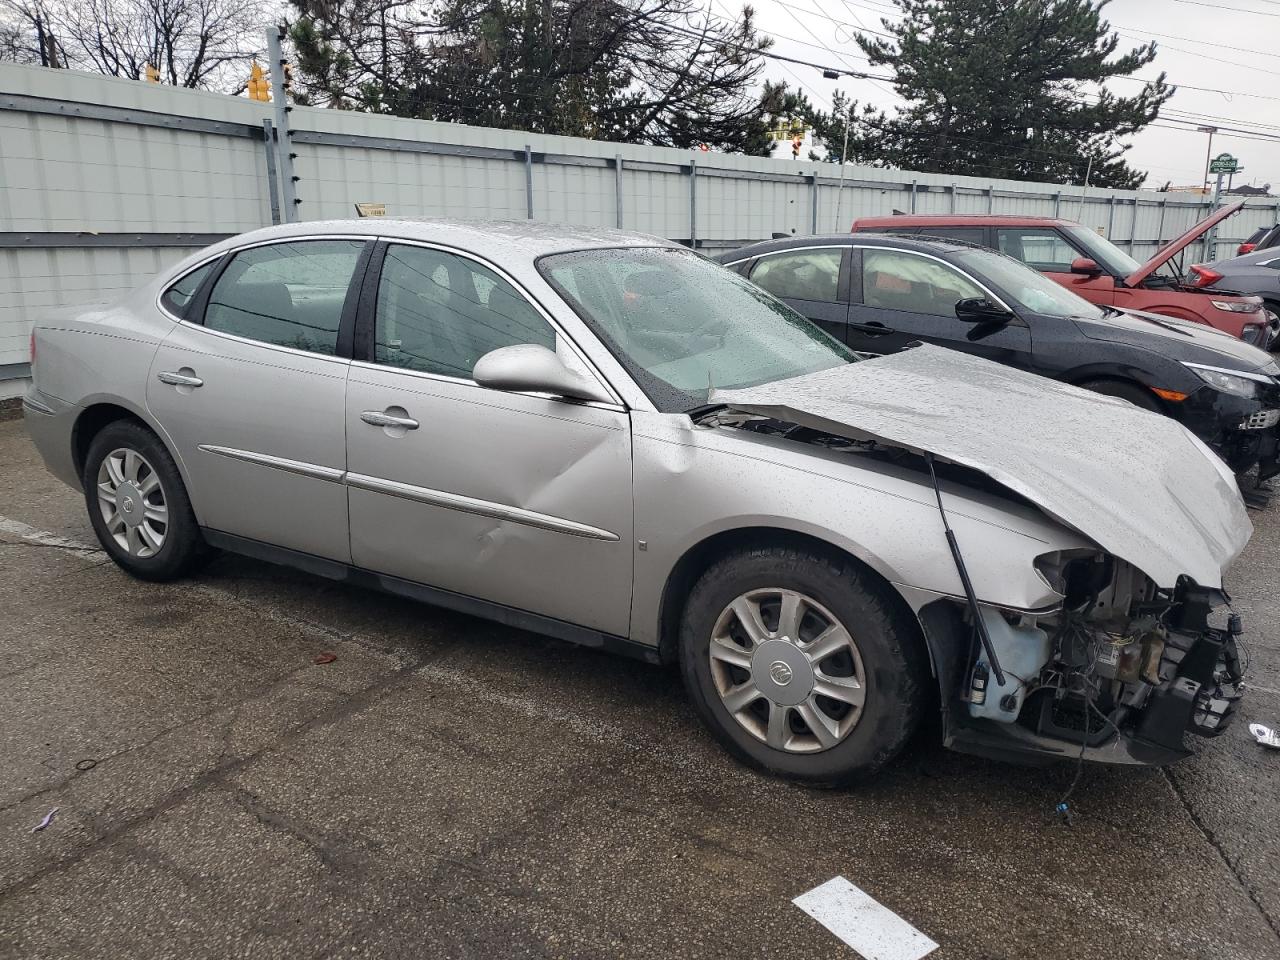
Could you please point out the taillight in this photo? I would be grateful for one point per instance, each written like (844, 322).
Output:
(1205, 277)
(1244, 248)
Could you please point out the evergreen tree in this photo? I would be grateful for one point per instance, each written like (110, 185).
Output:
(1011, 89)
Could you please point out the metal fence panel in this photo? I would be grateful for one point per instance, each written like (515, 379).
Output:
(103, 180)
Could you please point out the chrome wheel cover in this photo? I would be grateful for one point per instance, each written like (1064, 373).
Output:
(132, 501)
(787, 670)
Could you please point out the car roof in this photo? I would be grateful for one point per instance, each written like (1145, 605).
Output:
(934, 245)
(959, 220)
(522, 239)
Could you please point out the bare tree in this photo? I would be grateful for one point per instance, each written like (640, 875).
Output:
(642, 71)
(204, 44)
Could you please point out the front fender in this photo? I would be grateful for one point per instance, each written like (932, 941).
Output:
(694, 483)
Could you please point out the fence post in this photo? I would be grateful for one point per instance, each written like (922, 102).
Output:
(693, 203)
(1133, 226)
(813, 203)
(269, 152)
(953, 197)
(991, 198)
(1111, 215)
(1164, 203)
(284, 144)
(913, 196)
(528, 181)
(1057, 205)
(617, 186)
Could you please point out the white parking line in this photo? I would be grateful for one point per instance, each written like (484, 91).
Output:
(863, 923)
(19, 529)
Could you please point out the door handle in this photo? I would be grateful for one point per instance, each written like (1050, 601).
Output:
(179, 379)
(377, 418)
(875, 329)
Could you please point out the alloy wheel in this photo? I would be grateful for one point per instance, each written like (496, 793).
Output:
(132, 501)
(787, 670)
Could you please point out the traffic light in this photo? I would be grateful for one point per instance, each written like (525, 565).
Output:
(259, 85)
(152, 74)
(796, 141)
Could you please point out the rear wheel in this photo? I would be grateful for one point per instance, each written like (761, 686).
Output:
(1135, 394)
(801, 665)
(1272, 310)
(138, 504)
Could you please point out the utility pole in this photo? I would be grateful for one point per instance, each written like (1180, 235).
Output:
(284, 145)
(1208, 151)
(844, 156)
(1088, 169)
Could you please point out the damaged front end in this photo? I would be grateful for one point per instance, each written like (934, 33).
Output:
(1118, 674)
(1137, 647)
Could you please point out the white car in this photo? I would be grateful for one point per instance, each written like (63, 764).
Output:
(610, 439)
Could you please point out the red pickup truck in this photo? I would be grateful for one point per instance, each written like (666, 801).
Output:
(1098, 270)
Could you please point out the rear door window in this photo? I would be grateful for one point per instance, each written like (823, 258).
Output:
(976, 235)
(286, 294)
(1039, 247)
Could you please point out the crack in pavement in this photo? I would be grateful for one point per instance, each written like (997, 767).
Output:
(217, 775)
(1212, 839)
(332, 856)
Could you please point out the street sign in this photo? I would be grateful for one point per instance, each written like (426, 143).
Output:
(1224, 163)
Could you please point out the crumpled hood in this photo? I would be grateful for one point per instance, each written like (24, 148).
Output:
(1138, 484)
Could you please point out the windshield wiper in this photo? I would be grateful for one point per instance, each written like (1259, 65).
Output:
(1112, 311)
(704, 410)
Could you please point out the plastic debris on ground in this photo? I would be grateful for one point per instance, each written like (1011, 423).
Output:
(48, 819)
(1265, 735)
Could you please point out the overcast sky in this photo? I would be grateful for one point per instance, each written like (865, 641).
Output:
(1203, 44)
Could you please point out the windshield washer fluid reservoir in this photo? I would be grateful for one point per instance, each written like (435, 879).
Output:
(1022, 651)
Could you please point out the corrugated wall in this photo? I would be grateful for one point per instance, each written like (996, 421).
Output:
(103, 182)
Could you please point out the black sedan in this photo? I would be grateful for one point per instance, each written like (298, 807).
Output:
(879, 294)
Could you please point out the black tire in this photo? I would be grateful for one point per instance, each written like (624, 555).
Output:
(182, 548)
(1135, 394)
(888, 640)
(1272, 307)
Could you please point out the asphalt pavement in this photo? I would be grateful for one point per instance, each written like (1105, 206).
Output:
(450, 788)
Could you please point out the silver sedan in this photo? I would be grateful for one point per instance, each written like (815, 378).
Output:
(609, 439)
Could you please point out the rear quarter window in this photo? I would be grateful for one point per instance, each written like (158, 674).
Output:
(181, 292)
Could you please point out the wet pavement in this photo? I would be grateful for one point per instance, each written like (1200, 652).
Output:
(447, 787)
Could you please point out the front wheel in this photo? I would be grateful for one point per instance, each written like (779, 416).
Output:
(138, 504)
(801, 665)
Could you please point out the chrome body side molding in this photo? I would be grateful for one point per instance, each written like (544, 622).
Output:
(313, 470)
(483, 508)
(435, 498)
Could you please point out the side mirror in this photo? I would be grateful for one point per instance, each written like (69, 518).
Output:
(1085, 266)
(530, 368)
(981, 310)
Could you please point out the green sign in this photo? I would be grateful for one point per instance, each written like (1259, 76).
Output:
(1224, 163)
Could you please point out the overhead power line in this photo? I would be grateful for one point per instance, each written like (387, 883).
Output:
(1199, 43)
(1217, 6)
(826, 68)
(1202, 56)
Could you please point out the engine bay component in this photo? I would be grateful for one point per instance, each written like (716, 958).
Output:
(1119, 673)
